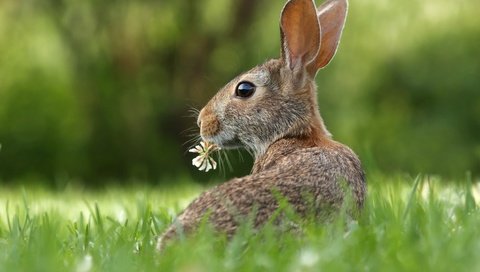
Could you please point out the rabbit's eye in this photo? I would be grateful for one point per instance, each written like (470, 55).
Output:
(245, 89)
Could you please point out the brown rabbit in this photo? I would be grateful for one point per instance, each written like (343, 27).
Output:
(272, 111)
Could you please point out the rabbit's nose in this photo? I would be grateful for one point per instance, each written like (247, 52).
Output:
(208, 122)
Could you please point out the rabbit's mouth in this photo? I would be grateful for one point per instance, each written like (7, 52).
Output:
(224, 141)
(231, 144)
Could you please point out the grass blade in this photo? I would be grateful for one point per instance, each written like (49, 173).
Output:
(412, 195)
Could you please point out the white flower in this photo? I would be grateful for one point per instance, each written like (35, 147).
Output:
(203, 161)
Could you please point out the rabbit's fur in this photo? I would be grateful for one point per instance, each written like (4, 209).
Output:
(294, 153)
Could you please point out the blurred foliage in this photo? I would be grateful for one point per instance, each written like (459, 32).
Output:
(102, 89)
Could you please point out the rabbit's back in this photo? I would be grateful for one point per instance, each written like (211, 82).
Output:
(311, 179)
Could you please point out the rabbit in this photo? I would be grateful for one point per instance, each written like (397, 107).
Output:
(272, 111)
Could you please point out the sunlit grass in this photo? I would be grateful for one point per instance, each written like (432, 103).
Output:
(409, 224)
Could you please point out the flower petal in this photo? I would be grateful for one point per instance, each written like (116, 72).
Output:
(209, 166)
(203, 166)
(197, 161)
(193, 150)
(214, 163)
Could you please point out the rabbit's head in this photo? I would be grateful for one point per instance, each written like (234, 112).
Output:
(277, 99)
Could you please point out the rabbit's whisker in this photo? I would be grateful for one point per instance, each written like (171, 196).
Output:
(226, 160)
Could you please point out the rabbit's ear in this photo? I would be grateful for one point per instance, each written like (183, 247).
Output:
(331, 15)
(300, 32)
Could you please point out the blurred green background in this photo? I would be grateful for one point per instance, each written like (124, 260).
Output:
(95, 91)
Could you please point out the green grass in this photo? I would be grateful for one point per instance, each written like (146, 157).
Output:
(408, 224)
